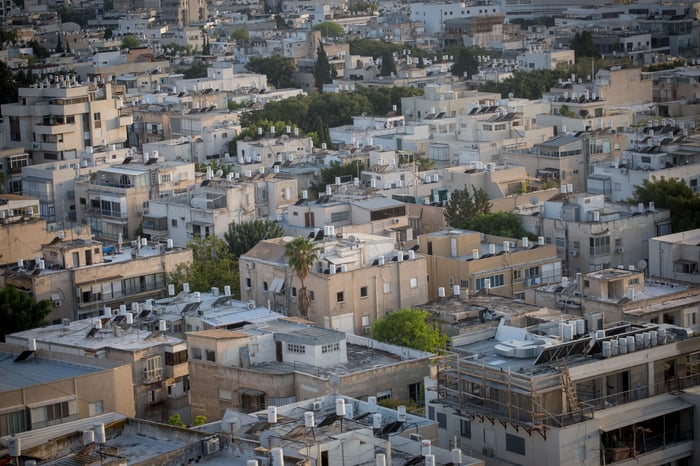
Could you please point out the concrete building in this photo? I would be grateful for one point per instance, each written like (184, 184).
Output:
(675, 256)
(357, 279)
(281, 361)
(465, 262)
(44, 388)
(591, 235)
(113, 438)
(158, 377)
(208, 209)
(113, 200)
(433, 15)
(571, 393)
(57, 120)
(338, 429)
(442, 98)
(80, 277)
(12, 161)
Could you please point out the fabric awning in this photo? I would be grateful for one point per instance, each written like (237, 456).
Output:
(250, 391)
(337, 260)
(277, 285)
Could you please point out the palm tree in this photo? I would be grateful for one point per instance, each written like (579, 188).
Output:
(424, 163)
(302, 254)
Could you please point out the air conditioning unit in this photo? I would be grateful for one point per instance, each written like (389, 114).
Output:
(415, 436)
(210, 446)
(36, 145)
(574, 252)
(367, 330)
(620, 249)
(317, 405)
(488, 452)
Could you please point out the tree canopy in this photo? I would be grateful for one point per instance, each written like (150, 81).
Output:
(329, 29)
(8, 85)
(241, 237)
(466, 60)
(278, 69)
(463, 207)
(505, 224)
(19, 311)
(212, 265)
(239, 34)
(388, 64)
(672, 194)
(409, 327)
(583, 46)
(526, 84)
(346, 172)
(130, 42)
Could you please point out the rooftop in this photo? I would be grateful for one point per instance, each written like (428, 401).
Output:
(36, 370)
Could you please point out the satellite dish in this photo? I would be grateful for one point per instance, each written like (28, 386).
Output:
(642, 265)
(334, 381)
(78, 231)
(510, 95)
(534, 200)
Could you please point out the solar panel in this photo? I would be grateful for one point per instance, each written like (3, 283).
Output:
(578, 347)
(24, 355)
(91, 333)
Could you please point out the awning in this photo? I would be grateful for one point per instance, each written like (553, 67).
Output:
(55, 297)
(98, 281)
(638, 411)
(277, 285)
(201, 223)
(250, 392)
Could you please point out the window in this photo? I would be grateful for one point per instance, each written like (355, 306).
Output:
(646, 159)
(295, 348)
(599, 245)
(264, 286)
(211, 356)
(340, 297)
(329, 348)
(312, 296)
(13, 423)
(340, 216)
(196, 352)
(414, 283)
(95, 408)
(153, 368)
(517, 276)
(173, 222)
(363, 292)
(172, 359)
(494, 281)
(663, 229)
(294, 292)
(15, 132)
(97, 119)
(384, 395)
(465, 428)
(248, 283)
(387, 287)
(515, 444)
(442, 420)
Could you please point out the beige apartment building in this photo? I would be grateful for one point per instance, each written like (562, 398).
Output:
(282, 361)
(56, 120)
(356, 280)
(462, 262)
(41, 388)
(156, 379)
(80, 277)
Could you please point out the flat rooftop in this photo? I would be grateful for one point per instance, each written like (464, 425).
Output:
(36, 370)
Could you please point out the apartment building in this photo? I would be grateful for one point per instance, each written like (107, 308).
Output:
(281, 361)
(442, 98)
(273, 149)
(81, 276)
(43, 388)
(571, 393)
(467, 262)
(591, 235)
(675, 256)
(158, 380)
(357, 279)
(56, 120)
(208, 209)
(114, 199)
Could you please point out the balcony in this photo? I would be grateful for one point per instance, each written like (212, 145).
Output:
(152, 375)
(97, 212)
(55, 129)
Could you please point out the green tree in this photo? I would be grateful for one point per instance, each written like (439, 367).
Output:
(526, 84)
(323, 71)
(409, 327)
(8, 85)
(130, 42)
(388, 64)
(59, 45)
(212, 265)
(424, 163)
(239, 34)
(301, 253)
(466, 60)
(505, 224)
(280, 22)
(346, 172)
(197, 70)
(39, 50)
(176, 420)
(19, 311)
(278, 69)
(463, 207)
(672, 194)
(206, 48)
(200, 420)
(583, 46)
(241, 237)
(329, 29)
